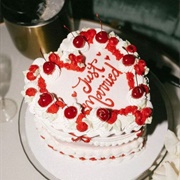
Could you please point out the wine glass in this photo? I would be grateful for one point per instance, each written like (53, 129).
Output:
(8, 107)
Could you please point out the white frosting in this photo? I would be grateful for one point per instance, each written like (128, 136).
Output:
(99, 81)
(50, 78)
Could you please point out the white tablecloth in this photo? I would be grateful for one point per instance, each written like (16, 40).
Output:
(14, 164)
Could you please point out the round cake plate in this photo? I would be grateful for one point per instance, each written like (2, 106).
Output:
(52, 165)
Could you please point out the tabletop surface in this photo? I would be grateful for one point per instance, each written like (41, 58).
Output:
(13, 161)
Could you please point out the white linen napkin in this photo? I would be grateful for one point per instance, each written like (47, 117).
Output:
(169, 169)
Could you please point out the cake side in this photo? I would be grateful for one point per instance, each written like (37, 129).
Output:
(85, 151)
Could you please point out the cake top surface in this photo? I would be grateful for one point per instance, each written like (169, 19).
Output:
(95, 84)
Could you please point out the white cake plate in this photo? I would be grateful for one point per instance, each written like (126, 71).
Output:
(52, 165)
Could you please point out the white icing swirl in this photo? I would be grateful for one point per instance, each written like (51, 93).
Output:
(124, 68)
(30, 84)
(61, 122)
(50, 77)
(39, 61)
(140, 102)
(102, 128)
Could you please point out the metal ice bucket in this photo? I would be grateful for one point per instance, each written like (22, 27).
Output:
(34, 38)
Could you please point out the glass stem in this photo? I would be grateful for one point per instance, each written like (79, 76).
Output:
(3, 103)
(3, 106)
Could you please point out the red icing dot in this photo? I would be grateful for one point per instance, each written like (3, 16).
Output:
(55, 59)
(138, 118)
(129, 75)
(140, 67)
(53, 108)
(30, 76)
(98, 54)
(113, 117)
(122, 111)
(130, 78)
(74, 62)
(146, 112)
(71, 156)
(33, 67)
(42, 85)
(30, 91)
(130, 109)
(60, 103)
(107, 58)
(113, 41)
(80, 58)
(142, 63)
(79, 118)
(42, 137)
(116, 52)
(50, 146)
(82, 158)
(91, 32)
(89, 35)
(146, 88)
(72, 57)
(112, 157)
(74, 94)
(82, 126)
(93, 159)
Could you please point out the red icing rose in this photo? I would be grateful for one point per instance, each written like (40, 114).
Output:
(33, 68)
(61, 104)
(42, 85)
(80, 117)
(74, 60)
(140, 67)
(146, 112)
(54, 58)
(130, 79)
(113, 41)
(89, 35)
(82, 126)
(139, 118)
(30, 76)
(127, 110)
(111, 46)
(31, 91)
(113, 117)
(53, 108)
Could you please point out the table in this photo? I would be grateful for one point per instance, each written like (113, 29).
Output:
(13, 161)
